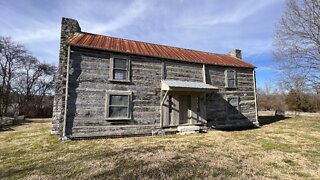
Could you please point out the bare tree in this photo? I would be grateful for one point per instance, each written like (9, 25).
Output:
(11, 55)
(35, 79)
(25, 82)
(269, 98)
(297, 42)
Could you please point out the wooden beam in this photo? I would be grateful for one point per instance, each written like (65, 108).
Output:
(161, 118)
(66, 96)
(204, 73)
(165, 95)
(161, 105)
(255, 95)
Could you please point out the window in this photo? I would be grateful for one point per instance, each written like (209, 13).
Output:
(119, 69)
(118, 105)
(231, 79)
(233, 107)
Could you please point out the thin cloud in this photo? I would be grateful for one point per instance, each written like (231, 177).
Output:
(237, 13)
(40, 34)
(127, 16)
(267, 68)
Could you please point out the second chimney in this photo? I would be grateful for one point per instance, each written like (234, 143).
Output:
(236, 53)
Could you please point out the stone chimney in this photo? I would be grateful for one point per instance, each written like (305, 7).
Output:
(68, 28)
(236, 53)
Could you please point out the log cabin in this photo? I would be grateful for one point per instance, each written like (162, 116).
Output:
(114, 87)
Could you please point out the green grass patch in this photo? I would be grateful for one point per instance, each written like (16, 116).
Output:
(284, 149)
(272, 145)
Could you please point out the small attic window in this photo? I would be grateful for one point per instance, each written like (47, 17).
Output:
(231, 78)
(119, 69)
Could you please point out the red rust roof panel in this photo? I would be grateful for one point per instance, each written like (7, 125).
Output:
(155, 50)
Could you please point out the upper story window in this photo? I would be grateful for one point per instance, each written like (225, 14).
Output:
(119, 69)
(231, 78)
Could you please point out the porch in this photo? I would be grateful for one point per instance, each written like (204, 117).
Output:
(183, 104)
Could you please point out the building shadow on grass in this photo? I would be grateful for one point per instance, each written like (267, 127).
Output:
(265, 120)
(6, 128)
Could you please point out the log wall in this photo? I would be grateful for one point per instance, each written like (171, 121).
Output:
(217, 102)
(89, 81)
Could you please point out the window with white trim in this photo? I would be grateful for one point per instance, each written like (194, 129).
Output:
(118, 105)
(231, 78)
(119, 69)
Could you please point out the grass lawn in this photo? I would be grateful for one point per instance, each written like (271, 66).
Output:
(286, 149)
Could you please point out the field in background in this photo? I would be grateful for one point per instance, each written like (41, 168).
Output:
(281, 148)
(291, 114)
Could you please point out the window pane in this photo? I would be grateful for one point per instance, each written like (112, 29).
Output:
(119, 100)
(120, 112)
(233, 102)
(230, 74)
(231, 83)
(120, 63)
(119, 74)
(231, 78)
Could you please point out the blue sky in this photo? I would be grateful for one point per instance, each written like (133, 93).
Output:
(208, 25)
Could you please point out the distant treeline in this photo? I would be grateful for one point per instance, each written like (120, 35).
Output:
(294, 100)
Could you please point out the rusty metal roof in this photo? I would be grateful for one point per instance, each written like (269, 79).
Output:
(149, 49)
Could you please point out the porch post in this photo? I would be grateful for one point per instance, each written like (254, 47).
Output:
(204, 73)
(161, 107)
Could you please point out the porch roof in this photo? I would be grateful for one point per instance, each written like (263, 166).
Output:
(176, 85)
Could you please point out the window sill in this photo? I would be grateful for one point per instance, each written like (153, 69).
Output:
(118, 119)
(122, 81)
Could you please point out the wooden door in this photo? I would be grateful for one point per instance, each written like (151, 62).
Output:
(184, 109)
(174, 110)
(195, 110)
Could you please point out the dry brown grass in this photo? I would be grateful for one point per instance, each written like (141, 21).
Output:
(287, 149)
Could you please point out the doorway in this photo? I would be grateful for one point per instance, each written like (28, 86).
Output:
(181, 108)
(185, 109)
